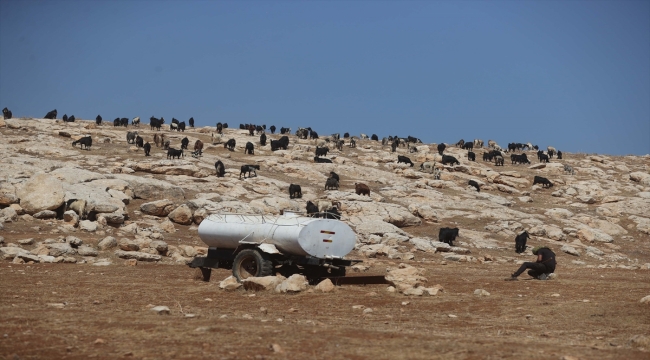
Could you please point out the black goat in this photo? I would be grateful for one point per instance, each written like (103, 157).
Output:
(147, 149)
(263, 139)
(191, 121)
(295, 191)
(475, 184)
(230, 145)
(471, 156)
(173, 153)
(446, 159)
(331, 184)
(248, 169)
(272, 128)
(334, 175)
(543, 181)
(86, 141)
(98, 120)
(221, 170)
(7, 114)
(448, 235)
(520, 242)
(312, 209)
(322, 151)
(441, 148)
(322, 160)
(51, 115)
(250, 150)
(185, 142)
(404, 159)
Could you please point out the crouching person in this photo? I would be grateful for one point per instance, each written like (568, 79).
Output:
(542, 268)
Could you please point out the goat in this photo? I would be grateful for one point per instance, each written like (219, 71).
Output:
(147, 149)
(173, 153)
(250, 150)
(312, 209)
(520, 242)
(98, 120)
(569, 169)
(448, 235)
(248, 169)
(221, 170)
(441, 148)
(334, 175)
(272, 128)
(543, 181)
(322, 151)
(361, 189)
(156, 140)
(130, 137)
(322, 160)
(478, 143)
(139, 141)
(332, 213)
(468, 146)
(427, 167)
(185, 142)
(135, 121)
(471, 156)
(198, 147)
(446, 159)
(7, 114)
(331, 184)
(191, 121)
(404, 159)
(324, 205)
(263, 139)
(374, 137)
(559, 155)
(86, 141)
(51, 115)
(230, 145)
(460, 143)
(474, 184)
(78, 206)
(353, 143)
(166, 145)
(498, 160)
(295, 191)
(219, 128)
(543, 158)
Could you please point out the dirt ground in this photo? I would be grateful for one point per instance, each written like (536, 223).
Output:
(586, 313)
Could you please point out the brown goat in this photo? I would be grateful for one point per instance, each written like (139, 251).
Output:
(361, 189)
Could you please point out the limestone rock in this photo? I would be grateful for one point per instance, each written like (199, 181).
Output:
(262, 283)
(181, 215)
(157, 208)
(295, 283)
(161, 310)
(587, 234)
(325, 286)
(45, 214)
(86, 250)
(160, 246)
(570, 250)
(74, 241)
(8, 194)
(8, 253)
(167, 226)
(405, 276)
(60, 249)
(640, 177)
(71, 217)
(87, 225)
(645, 300)
(481, 292)
(41, 192)
(128, 245)
(108, 242)
(140, 256)
(114, 217)
(150, 189)
(229, 283)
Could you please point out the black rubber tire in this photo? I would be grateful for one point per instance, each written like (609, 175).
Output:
(251, 263)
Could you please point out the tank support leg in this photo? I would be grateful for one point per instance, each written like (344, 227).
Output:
(206, 272)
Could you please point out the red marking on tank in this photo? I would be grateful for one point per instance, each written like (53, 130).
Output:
(327, 232)
(327, 240)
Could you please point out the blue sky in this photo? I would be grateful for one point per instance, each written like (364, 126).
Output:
(571, 74)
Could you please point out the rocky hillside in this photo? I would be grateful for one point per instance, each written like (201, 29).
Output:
(147, 208)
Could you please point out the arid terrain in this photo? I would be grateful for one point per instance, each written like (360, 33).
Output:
(72, 288)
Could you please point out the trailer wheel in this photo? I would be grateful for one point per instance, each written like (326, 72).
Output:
(251, 263)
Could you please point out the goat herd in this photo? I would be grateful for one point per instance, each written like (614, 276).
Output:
(324, 209)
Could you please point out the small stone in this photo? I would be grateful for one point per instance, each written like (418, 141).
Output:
(99, 341)
(128, 245)
(87, 225)
(161, 310)
(73, 241)
(358, 307)
(404, 303)
(276, 348)
(555, 295)
(481, 292)
(45, 214)
(452, 316)
(131, 262)
(645, 300)
(29, 241)
(86, 250)
(367, 311)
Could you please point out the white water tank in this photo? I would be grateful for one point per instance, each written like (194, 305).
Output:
(290, 233)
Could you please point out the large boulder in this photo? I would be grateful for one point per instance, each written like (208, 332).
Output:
(151, 189)
(295, 283)
(640, 177)
(157, 208)
(41, 192)
(262, 283)
(405, 277)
